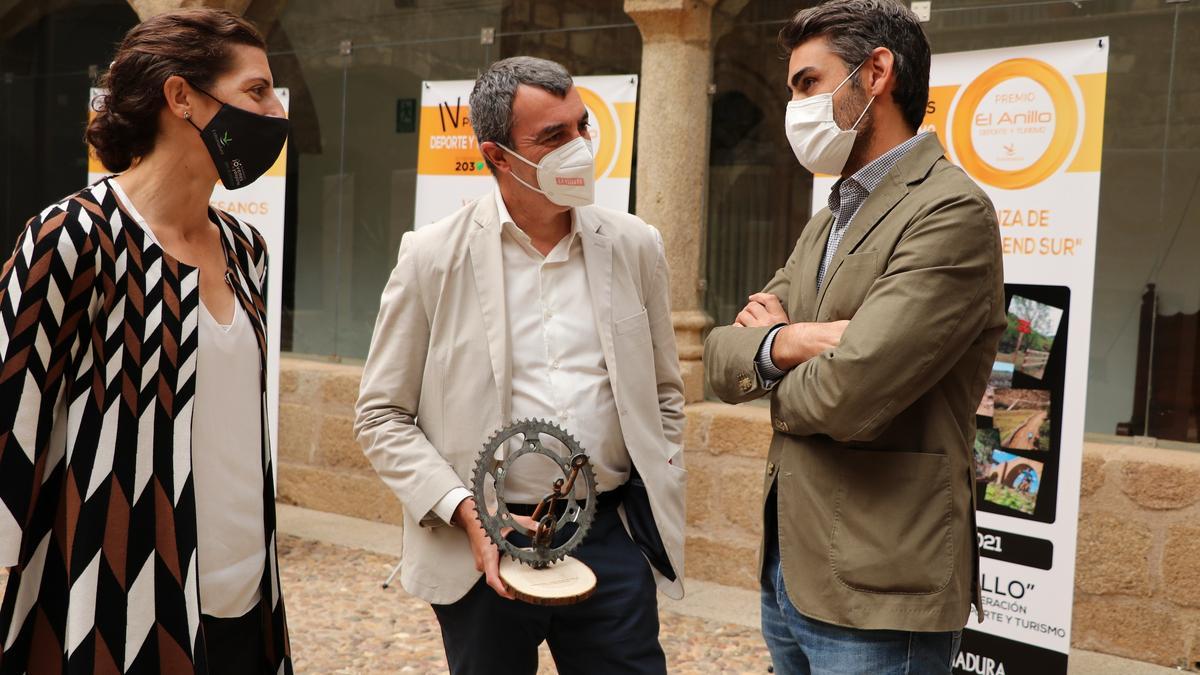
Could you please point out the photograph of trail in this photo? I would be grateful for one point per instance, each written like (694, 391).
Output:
(1022, 416)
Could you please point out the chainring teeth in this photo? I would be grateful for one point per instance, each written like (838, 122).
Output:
(493, 524)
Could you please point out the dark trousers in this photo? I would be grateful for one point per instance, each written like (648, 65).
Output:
(235, 646)
(614, 631)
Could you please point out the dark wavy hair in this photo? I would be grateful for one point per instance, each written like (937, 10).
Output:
(855, 27)
(192, 43)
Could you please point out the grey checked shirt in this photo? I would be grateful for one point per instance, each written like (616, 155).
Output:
(845, 200)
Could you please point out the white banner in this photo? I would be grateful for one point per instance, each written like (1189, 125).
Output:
(450, 168)
(1027, 123)
(260, 204)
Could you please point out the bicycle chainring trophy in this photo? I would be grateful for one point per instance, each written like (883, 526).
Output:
(543, 573)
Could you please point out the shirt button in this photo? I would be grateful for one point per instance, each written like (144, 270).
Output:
(770, 468)
(555, 364)
(781, 425)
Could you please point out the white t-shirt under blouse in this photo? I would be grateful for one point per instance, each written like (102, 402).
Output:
(228, 467)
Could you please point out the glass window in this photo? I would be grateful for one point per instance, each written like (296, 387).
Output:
(758, 194)
(351, 68)
(1144, 376)
(352, 179)
(49, 54)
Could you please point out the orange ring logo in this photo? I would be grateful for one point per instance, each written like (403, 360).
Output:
(1066, 124)
(610, 132)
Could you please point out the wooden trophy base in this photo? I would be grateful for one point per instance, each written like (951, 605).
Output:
(565, 582)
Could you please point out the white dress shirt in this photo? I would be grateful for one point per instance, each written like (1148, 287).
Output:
(558, 368)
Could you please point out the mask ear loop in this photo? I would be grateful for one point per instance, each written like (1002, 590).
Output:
(864, 112)
(188, 116)
(856, 69)
(514, 153)
(205, 93)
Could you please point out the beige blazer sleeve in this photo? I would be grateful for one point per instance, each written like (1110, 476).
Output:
(390, 395)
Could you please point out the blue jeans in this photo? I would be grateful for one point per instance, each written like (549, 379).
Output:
(800, 645)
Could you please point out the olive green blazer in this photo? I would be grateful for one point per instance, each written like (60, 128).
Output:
(873, 440)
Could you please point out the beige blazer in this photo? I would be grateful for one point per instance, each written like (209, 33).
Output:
(437, 382)
(872, 452)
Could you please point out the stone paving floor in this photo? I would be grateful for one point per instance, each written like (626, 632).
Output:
(342, 622)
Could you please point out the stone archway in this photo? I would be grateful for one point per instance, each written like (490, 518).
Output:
(148, 8)
(1015, 470)
(1006, 473)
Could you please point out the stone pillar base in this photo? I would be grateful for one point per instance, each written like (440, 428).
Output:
(689, 337)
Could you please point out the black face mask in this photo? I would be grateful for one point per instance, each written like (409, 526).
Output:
(243, 145)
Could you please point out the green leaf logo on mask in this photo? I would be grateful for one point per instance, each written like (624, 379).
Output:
(224, 140)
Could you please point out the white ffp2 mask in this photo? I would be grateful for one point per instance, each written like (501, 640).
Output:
(567, 175)
(819, 143)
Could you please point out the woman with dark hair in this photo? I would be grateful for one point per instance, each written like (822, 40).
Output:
(136, 487)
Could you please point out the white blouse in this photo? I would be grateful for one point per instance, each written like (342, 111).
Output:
(227, 466)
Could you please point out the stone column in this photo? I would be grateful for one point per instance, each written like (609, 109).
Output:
(148, 8)
(672, 155)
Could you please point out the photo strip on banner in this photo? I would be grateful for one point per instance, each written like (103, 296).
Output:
(1027, 124)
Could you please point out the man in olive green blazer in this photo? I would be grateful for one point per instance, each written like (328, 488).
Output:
(869, 549)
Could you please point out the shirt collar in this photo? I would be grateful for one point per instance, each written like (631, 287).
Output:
(871, 176)
(509, 226)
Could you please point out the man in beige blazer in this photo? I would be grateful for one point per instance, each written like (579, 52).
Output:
(874, 343)
(532, 303)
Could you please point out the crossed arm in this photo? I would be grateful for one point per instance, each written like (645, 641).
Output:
(920, 316)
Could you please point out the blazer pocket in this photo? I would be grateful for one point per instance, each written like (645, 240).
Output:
(849, 285)
(636, 325)
(893, 522)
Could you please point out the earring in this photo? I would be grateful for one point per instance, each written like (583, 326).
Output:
(187, 114)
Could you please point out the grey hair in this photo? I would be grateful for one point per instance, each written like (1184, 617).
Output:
(492, 97)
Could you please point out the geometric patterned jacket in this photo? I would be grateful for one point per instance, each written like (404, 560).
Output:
(97, 503)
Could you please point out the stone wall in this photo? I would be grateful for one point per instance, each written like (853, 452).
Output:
(1137, 589)
(1137, 583)
(320, 464)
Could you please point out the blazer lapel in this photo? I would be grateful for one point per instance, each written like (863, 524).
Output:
(912, 168)
(597, 258)
(487, 264)
(809, 265)
(878, 204)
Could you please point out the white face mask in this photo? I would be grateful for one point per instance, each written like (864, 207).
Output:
(819, 143)
(567, 175)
